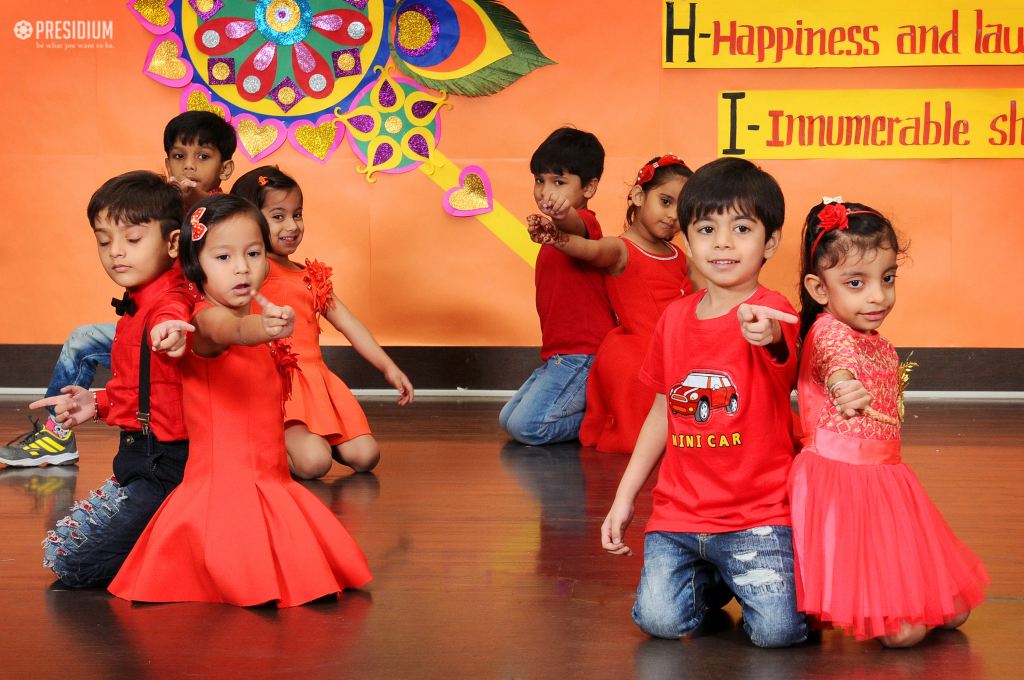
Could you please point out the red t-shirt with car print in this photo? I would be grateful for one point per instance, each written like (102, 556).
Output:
(730, 425)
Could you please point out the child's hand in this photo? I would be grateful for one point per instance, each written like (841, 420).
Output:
(170, 337)
(278, 322)
(542, 231)
(189, 190)
(850, 398)
(760, 325)
(613, 531)
(75, 406)
(397, 379)
(555, 205)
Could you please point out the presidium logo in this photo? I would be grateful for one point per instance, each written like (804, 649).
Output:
(23, 30)
(65, 30)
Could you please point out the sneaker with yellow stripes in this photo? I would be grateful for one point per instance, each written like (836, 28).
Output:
(39, 447)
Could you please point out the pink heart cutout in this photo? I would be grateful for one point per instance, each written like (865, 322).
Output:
(166, 80)
(463, 194)
(250, 136)
(326, 118)
(195, 87)
(149, 25)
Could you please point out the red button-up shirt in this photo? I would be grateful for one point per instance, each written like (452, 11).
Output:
(169, 296)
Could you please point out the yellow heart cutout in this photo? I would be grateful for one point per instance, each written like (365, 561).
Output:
(318, 139)
(165, 62)
(472, 195)
(153, 11)
(254, 138)
(198, 101)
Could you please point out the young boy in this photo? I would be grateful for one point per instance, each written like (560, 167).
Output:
(573, 305)
(199, 146)
(723, 363)
(136, 219)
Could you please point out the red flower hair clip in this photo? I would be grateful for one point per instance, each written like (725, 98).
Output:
(262, 180)
(835, 215)
(646, 173)
(198, 228)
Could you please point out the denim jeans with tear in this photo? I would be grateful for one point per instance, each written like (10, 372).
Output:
(549, 407)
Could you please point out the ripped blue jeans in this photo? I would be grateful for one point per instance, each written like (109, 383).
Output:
(86, 348)
(88, 547)
(685, 574)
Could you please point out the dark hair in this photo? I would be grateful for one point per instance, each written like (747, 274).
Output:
(201, 127)
(138, 197)
(732, 183)
(662, 174)
(250, 187)
(866, 231)
(570, 151)
(218, 208)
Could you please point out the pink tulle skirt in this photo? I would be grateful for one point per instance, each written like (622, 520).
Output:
(872, 550)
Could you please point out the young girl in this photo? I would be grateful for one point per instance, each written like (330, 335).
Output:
(873, 554)
(644, 273)
(238, 529)
(323, 420)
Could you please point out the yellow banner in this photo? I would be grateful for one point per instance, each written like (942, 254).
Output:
(807, 34)
(767, 124)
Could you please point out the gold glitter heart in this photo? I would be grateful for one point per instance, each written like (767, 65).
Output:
(166, 63)
(317, 140)
(472, 195)
(198, 101)
(153, 11)
(254, 138)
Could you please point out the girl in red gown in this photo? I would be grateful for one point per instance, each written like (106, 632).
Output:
(644, 273)
(873, 553)
(323, 420)
(237, 529)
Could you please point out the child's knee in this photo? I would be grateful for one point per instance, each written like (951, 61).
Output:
(662, 618)
(364, 457)
(907, 637)
(309, 466)
(956, 622)
(779, 627)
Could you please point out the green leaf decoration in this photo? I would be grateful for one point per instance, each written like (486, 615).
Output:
(494, 77)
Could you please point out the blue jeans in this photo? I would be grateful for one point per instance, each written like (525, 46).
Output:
(88, 547)
(549, 407)
(86, 347)
(684, 574)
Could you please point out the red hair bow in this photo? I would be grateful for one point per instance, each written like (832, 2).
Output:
(646, 173)
(198, 228)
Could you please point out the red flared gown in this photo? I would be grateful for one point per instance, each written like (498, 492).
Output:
(617, 402)
(871, 548)
(238, 529)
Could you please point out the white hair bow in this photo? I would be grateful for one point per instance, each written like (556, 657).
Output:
(831, 199)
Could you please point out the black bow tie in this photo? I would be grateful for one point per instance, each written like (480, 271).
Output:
(125, 305)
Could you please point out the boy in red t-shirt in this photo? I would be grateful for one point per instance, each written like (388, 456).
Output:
(573, 305)
(723, 362)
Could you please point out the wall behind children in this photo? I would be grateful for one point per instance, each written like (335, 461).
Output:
(417, 276)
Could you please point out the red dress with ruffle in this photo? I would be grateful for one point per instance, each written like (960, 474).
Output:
(617, 402)
(872, 550)
(239, 529)
(319, 398)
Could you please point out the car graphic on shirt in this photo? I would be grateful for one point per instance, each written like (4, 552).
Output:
(701, 393)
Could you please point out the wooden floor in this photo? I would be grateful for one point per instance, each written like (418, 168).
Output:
(487, 564)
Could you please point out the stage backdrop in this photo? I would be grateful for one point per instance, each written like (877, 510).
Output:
(78, 109)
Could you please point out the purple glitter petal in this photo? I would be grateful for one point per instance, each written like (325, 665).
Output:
(305, 58)
(239, 29)
(363, 123)
(418, 144)
(421, 108)
(264, 56)
(431, 18)
(360, 4)
(387, 96)
(328, 22)
(355, 70)
(384, 152)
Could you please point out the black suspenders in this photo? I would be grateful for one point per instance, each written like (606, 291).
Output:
(143, 413)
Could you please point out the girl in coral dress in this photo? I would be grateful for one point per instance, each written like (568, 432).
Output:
(323, 420)
(644, 273)
(238, 529)
(873, 554)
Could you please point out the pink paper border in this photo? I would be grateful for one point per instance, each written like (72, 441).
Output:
(196, 87)
(352, 140)
(180, 82)
(282, 135)
(470, 169)
(327, 117)
(150, 26)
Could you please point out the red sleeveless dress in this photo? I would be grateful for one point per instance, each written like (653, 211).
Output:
(617, 402)
(871, 548)
(238, 529)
